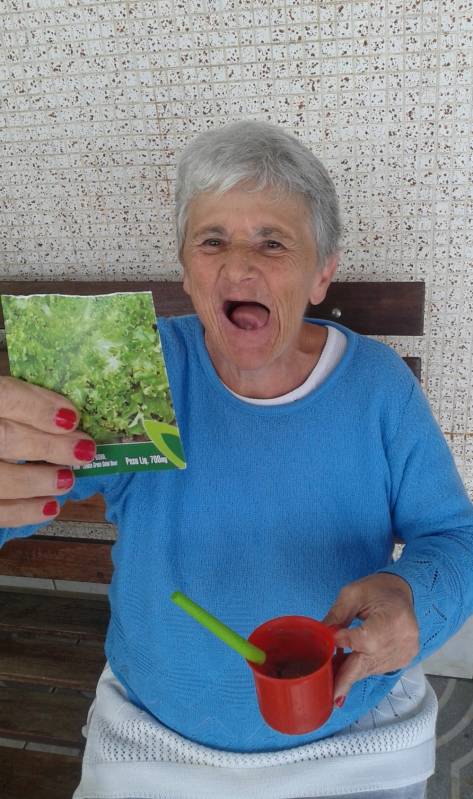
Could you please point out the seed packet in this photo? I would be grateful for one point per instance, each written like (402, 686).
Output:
(103, 353)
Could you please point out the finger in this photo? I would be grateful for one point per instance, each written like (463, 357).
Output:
(18, 513)
(364, 638)
(21, 442)
(344, 609)
(28, 480)
(36, 406)
(395, 637)
(356, 667)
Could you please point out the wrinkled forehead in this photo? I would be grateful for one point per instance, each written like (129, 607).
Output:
(258, 211)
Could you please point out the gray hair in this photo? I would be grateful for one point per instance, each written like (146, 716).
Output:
(262, 155)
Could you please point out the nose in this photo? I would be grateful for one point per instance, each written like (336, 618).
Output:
(237, 264)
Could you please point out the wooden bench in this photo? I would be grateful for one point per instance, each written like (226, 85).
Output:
(51, 641)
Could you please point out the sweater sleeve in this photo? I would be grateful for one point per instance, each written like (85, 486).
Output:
(83, 488)
(433, 516)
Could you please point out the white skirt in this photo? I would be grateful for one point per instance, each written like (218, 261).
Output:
(130, 754)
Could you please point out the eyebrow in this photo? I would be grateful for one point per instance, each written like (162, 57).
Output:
(215, 230)
(218, 230)
(269, 231)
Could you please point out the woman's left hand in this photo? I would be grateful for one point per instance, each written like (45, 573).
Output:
(387, 640)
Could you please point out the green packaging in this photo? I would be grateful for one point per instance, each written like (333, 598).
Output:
(103, 353)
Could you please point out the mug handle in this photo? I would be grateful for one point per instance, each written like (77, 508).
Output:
(340, 655)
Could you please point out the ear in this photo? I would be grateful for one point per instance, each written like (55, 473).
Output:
(322, 280)
(185, 272)
(185, 282)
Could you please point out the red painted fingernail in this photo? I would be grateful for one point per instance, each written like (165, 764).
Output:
(51, 508)
(65, 478)
(84, 450)
(340, 701)
(65, 418)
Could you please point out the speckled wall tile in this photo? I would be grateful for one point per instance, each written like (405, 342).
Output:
(97, 98)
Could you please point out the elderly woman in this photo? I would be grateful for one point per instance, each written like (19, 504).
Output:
(308, 448)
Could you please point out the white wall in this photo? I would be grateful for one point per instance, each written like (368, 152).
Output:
(97, 98)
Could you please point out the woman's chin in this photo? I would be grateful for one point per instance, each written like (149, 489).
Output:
(244, 349)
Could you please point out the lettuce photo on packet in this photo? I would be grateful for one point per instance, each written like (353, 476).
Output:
(104, 354)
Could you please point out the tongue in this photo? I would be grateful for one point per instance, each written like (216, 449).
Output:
(249, 316)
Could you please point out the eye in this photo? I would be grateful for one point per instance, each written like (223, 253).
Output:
(271, 244)
(211, 242)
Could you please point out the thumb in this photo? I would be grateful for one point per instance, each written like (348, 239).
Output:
(343, 611)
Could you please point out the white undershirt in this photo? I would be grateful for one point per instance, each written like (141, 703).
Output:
(391, 747)
(331, 354)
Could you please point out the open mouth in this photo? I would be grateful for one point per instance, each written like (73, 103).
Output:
(246, 314)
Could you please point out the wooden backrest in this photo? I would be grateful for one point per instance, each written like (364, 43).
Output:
(371, 308)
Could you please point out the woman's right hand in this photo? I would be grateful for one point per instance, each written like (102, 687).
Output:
(38, 427)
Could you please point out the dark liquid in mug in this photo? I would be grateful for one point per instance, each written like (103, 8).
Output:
(287, 669)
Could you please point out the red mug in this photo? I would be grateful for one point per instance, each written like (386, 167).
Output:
(294, 686)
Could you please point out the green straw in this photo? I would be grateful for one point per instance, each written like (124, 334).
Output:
(229, 637)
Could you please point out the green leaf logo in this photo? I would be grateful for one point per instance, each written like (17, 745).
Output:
(165, 438)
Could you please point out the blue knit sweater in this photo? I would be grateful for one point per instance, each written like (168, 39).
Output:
(279, 507)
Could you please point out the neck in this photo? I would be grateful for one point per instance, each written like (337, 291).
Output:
(281, 376)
